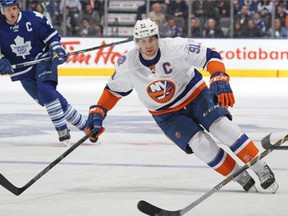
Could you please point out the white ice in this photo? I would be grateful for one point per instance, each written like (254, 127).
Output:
(134, 160)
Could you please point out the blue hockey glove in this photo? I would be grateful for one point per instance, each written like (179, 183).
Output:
(57, 53)
(5, 66)
(95, 120)
(219, 85)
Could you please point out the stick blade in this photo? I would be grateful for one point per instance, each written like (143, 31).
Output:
(152, 210)
(10, 187)
(265, 142)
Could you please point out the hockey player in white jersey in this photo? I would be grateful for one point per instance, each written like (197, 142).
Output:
(164, 74)
(27, 36)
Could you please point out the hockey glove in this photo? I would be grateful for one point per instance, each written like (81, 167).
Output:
(5, 66)
(57, 53)
(95, 120)
(219, 85)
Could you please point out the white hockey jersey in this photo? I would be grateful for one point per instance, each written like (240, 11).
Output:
(171, 84)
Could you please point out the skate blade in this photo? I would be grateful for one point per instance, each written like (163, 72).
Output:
(67, 142)
(253, 189)
(272, 189)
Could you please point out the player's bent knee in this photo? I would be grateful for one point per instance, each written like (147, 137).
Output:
(203, 146)
(226, 131)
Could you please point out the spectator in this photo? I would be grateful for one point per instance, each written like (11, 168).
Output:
(41, 8)
(157, 14)
(196, 28)
(98, 6)
(86, 29)
(178, 8)
(277, 29)
(204, 9)
(198, 8)
(170, 29)
(90, 14)
(211, 10)
(72, 9)
(243, 15)
(250, 30)
(73, 5)
(53, 8)
(265, 4)
(212, 31)
(259, 23)
(280, 13)
(141, 10)
(236, 6)
(30, 5)
(284, 29)
(223, 8)
(252, 5)
(237, 30)
(266, 16)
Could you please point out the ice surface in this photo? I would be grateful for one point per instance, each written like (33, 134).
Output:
(135, 160)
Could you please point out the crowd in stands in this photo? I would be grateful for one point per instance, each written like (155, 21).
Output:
(82, 18)
(207, 18)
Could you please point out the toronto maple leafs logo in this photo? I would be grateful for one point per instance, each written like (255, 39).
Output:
(21, 48)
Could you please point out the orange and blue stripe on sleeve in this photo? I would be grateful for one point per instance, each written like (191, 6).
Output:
(108, 100)
(214, 62)
(223, 163)
(215, 66)
(245, 149)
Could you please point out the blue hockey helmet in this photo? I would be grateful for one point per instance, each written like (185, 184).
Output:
(5, 3)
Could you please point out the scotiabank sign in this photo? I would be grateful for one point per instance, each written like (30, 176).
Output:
(265, 54)
(255, 54)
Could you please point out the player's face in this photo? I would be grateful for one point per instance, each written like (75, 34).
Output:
(11, 13)
(148, 47)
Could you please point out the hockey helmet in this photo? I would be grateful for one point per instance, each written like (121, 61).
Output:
(145, 28)
(5, 3)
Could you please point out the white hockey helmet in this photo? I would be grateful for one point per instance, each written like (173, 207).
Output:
(145, 28)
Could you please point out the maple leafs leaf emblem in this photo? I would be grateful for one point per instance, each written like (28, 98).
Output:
(21, 48)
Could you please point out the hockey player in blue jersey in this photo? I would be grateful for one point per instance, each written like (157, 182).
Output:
(27, 36)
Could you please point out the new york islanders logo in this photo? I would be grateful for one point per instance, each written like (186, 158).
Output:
(161, 91)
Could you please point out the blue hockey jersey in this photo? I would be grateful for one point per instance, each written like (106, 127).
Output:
(27, 40)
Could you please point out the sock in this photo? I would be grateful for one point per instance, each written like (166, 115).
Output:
(75, 118)
(56, 114)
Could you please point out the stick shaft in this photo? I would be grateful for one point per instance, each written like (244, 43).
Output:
(37, 61)
(17, 191)
(234, 175)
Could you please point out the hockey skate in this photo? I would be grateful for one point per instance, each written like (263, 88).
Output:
(247, 182)
(267, 179)
(64, 136)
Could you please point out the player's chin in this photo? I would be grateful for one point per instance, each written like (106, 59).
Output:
(150, 54)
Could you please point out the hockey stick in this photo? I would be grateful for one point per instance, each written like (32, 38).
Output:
(269, 145)
(37, 61)
(153, 210)
(19, 190)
